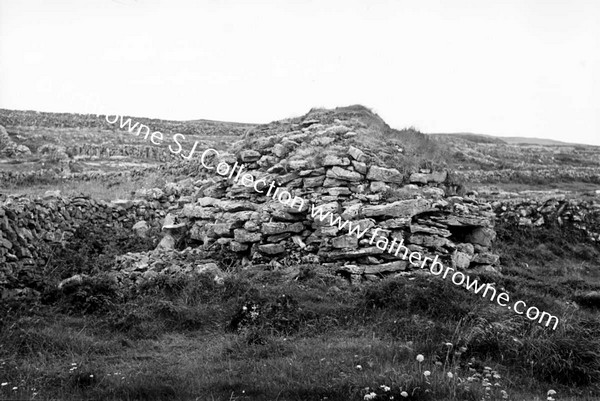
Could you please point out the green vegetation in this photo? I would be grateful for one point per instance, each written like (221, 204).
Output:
(269, 334)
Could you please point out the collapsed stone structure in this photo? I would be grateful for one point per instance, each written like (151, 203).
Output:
(317, 159)
(320, 159)
(332, 160)
(323, 165)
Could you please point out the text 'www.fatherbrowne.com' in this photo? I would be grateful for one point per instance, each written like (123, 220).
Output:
(382, 242)
(436, 267)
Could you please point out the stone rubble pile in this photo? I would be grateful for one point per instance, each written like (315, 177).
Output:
(133, 269)
(319, 164)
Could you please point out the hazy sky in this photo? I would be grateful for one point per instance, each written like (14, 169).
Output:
(511, 67)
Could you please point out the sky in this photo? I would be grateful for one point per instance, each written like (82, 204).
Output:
(507, 68)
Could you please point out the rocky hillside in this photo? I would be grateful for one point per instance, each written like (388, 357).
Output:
(36, 148)
(21, 118)
(482, 159)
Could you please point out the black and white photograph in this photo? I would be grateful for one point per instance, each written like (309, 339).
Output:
(301, 200)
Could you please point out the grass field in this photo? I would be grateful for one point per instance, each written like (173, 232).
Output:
(303, 333)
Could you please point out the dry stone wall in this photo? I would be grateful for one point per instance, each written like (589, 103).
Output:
(29, 226)
(137, 152)
(580, 213)
(537, 174)
(62, 172)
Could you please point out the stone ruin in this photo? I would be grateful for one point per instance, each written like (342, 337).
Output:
(318, 160)
(322, 164)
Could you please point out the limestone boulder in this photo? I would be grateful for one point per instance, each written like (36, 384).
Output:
(402, 208)
(141, 229)
(339, 173)
(377, 173)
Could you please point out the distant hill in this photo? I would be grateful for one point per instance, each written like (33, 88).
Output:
(477, 138)
(512, 140)
(535, 141)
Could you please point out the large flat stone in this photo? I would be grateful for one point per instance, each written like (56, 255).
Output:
(281, 227)
(418, 178)
(339, 173)
(235, 206)
(249, 155)
(243, 236)
(357, 154)
(351, 254)
(377, 173)
(416, 228)
(403, 208)
(312, 182)
(345, 241)
(465, 221)
(271, 249)
(333, 160)
(352, 269)
(198, 212)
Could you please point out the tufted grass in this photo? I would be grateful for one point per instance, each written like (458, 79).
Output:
(191, 339)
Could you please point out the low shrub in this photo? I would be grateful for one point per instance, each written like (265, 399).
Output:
(97, 294)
